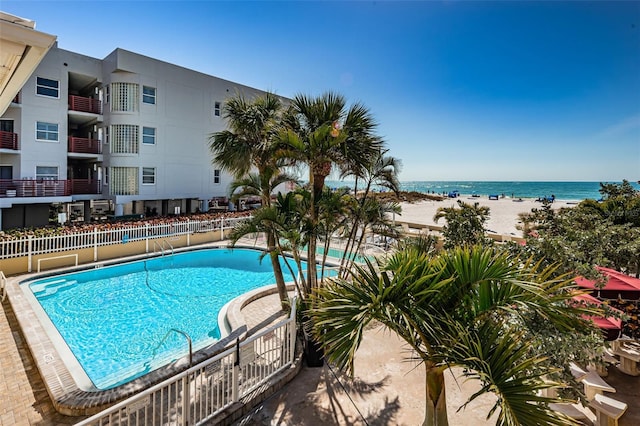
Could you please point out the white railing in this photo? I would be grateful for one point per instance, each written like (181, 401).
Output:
(200, 393)
(31, 245)
(3, 286)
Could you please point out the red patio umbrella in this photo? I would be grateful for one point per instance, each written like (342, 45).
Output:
(618, 285)
(610, 326)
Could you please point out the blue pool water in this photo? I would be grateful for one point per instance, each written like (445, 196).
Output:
(115, 319)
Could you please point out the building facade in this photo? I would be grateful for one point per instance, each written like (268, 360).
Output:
(122, 135)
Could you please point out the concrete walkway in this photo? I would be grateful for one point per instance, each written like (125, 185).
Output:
(387, 389)
(23, 397)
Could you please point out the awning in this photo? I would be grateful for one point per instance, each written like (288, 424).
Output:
(611, 326)
(617, 286)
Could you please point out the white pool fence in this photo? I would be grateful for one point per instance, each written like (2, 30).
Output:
(115, 234)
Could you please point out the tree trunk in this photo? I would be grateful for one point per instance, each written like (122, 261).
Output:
(277, 271)
(436, 399)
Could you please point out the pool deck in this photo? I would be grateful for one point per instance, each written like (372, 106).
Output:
(386, 389)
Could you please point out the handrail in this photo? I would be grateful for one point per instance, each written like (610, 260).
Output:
(160, 245)
(156, 244)
(3, 286)
(183, 333)
(58, 257)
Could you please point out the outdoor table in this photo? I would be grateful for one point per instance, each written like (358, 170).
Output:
(608, 410)
(594, 384)
(576, 371)
(629, 358)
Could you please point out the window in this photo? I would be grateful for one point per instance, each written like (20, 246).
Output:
(216, 109)
(148, 176)
(124, 181)
(6, 172)
(149, 95)
(124, 139)
(46, 172)
(6, 126)
(46, 87)
(106, 97)
(216, 176)
(125, 97)
(148, 135)
(106, 134)
(46, 131)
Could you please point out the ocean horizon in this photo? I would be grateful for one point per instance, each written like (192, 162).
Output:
(562, 190)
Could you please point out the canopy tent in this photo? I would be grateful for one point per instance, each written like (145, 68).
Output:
(617, 286)
(610, 326)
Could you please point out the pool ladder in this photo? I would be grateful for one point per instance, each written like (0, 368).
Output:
(182, 333)
(161, 247)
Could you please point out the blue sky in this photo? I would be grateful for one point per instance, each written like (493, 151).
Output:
(462, 90)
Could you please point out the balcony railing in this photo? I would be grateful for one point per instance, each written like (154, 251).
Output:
(85, 186)
(84, 145)
(82, 104)
(47, 187)
(8, 140)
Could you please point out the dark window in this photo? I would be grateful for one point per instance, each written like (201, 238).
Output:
(46, 87)
(149, 95)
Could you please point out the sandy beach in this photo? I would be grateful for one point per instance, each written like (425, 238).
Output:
(503, 213)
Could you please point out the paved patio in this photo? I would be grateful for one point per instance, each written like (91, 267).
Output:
(387, 388)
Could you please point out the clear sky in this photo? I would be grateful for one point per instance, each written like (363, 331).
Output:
(462, 90)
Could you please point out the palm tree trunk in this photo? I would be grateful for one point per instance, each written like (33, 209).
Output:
(277, 270)
(436, 400)
(317, 184)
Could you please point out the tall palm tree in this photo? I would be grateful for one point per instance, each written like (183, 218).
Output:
(322, 132)
(251, 143)
(382, 171)
(464, 307)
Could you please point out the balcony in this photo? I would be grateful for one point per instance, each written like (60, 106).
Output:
(84, 145)
(82, 104)
(85, 186)
(47, 187)
(9, 140)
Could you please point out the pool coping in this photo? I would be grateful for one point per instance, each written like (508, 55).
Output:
(66, 396)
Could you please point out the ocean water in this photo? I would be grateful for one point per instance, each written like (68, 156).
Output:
(516, 189)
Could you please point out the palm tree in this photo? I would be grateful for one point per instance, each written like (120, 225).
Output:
(382, 171)
(465, 307)
(321, 132)
(335, 210)
(251, 143)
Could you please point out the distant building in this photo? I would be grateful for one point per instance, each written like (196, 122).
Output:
(124, 135)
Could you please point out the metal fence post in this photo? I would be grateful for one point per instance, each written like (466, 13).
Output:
(95, 244)
(186, 399)
(235, 375)
(292, 331)
(30, 251)
(146, 226)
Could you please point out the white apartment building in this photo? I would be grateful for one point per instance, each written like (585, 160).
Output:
(126, 133)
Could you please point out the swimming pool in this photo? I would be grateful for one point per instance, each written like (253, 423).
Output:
(117, 320)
